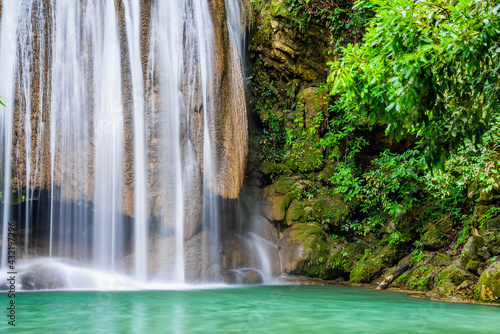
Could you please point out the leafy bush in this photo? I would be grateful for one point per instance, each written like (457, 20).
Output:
(429, 68)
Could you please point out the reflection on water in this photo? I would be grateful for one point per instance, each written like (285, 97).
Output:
(258, 309)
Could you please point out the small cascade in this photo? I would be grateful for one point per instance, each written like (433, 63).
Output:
(125, 130)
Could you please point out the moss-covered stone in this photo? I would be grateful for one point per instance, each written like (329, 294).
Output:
(420, 279)
(282, 186)
(372, 264)
(344, 257)
(451, 277)
(329, 209)
(298, 211)
(436, 237)
(274, 207)
(305, 249)
(488, 286)
(479, 211)
(469, 252)
(306, 156)
(492, 241)
(440, 259)
(475, 267)
(272, 169)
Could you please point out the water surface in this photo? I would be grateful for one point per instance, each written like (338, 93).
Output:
(256, 309)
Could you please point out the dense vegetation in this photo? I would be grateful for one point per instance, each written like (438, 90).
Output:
(414, 87)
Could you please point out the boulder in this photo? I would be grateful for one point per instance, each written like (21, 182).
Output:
(475, 267)
(304, 250)
(488, 286)
(451, 277)
(273, 207)
(470, 250)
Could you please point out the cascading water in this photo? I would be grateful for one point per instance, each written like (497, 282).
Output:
(116, 141)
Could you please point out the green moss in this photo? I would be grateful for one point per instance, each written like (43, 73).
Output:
(435, 238)
(421, 278)
(316, 242)
(274, 169)
(345, 258)
(371, 264)
(440, 259)
(452, 276)
(475, 267)
(282, 186)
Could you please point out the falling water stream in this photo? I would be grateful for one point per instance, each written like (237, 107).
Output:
(108, 148)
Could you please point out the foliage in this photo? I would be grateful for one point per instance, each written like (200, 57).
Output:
(426, 68)
(344, 19)
(394, 184)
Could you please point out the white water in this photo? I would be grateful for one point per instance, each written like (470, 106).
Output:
(110, 102)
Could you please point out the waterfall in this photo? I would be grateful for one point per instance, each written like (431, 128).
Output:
(125, 129)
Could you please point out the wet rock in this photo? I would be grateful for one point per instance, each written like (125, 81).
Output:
(488, 286)
(440, 260)
(420, 279)
(244, 276)
(275, 199)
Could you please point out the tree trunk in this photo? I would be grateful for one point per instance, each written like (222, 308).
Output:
(389, 279)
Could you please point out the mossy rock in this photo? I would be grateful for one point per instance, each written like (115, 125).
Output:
(479, 212)
(272, 169)
(305, 156)
(344, 257)
(327, 172)
(328, 209)
(470, 250)
(314, 104)
(451, 277)
(371, 264)
(274, 207)
(488, 286)
(304, 250)
(436, 237)
(420, 279)
(475, 267)
(440, 259)
(298, 211)
(282, 186)
(492, 241)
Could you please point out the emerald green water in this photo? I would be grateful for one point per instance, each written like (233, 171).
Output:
(258, 309)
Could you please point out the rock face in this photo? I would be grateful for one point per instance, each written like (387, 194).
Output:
(227, 125)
